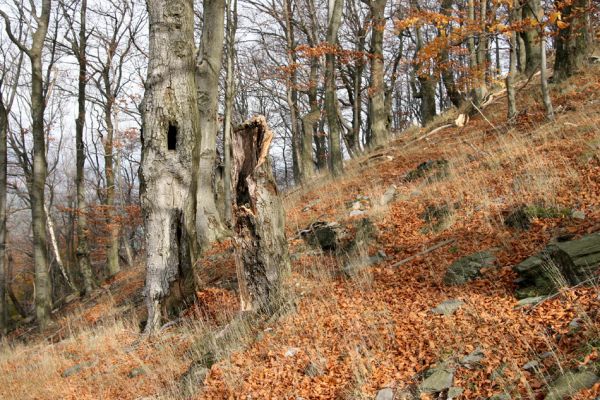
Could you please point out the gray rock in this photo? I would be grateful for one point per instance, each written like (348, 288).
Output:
(441, 379)
(448, 307)
(454, 392)
(501, 396)
(291, 352)
(137, 372)
(531, 365)
(578, 214)
(75, 369)
(388, 196)
(385, 394)
(468, 268)
(572, 262)
(357, 213)
(473, 358)
(571, 383)
(314, 369)
(193, 379)
(530, 301)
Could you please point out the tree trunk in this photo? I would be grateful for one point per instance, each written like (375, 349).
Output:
(57, 256)
(544, 79)
(209, 226)
(512, 71)
(261, 250)
(532, 12)
(83, 253)
(456, 97)
(335, 149)
(378, 117)
(572, 42)
(229, 98)
(112, 250)
(427, 86)
(171, 127)
(3, 214)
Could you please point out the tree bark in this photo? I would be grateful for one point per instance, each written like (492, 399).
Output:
(454, 94)
(572, 42)
(532, 12)
(112, 251)
(512, 71)
(261, 250)
(544, 79)
(378, 117)
(82, 252)
(3, 214)
(43, 301)
(336, 165)
(229, 97)
(209, 226)
(171, 129)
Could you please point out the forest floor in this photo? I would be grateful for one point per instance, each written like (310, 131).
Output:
(349, 337)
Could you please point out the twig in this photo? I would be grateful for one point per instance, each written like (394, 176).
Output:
(426, 251)
(484, 117)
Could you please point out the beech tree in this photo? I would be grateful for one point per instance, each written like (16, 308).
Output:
(43, 301)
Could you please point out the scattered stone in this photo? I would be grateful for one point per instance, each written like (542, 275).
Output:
(440, 380)
(388, 196)
(193, 379)
(571, 383)
(518, 219)
(436, 169)
(436, 216)
(137, 372)
(501, 396)
(530, 301)
(577, 214)
(291, 352)
(357, 213)
(572, 262)
(468, 268)
(454, 392)
(75, 369)
(385, 394)
(546, 354)
(473, 358)
(325, 235)
(531, 365)
(448, 307)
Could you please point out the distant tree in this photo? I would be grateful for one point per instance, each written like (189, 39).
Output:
(572, 42)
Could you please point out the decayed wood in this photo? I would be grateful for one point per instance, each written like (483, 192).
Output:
(261, 251)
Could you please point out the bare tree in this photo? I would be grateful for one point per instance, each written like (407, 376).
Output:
(43, 302)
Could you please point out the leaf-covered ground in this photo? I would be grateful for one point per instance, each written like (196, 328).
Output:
(350, 337)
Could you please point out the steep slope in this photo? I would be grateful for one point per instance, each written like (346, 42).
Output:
(351, 335)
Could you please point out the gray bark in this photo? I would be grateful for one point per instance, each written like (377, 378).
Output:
(261, 250)
(335, 149)
(3, 213)
(378, 117)
(544, 79)
(229, 97)
(512, 71)
(209, 226)
(532, 11)
(43, 301)
(171, 126)
(572, 42)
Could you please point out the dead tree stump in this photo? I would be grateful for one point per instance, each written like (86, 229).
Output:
(261, 250)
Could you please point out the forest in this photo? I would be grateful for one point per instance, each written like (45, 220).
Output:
(209, 171)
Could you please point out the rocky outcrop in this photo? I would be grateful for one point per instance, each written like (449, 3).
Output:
(563, 263)
(468, 268)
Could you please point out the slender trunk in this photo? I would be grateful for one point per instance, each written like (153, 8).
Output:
(56, 251)
(171, 126)
(512, 71)
(427, 86)
(112, 218)
(544, 79)
(83, 253)
(310, 123)
(378, 117)
(471, 43)
(229, 97)
(3, 214)
(209, 226)
(335, 149)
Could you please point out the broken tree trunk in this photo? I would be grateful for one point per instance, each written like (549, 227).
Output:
(261, 250)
